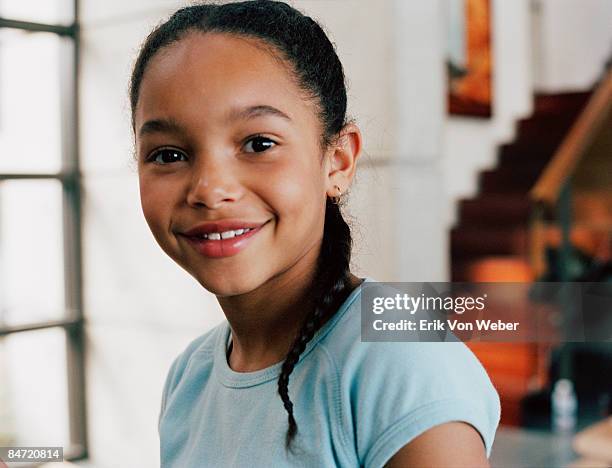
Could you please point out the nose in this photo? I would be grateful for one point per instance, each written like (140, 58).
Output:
(211, 183)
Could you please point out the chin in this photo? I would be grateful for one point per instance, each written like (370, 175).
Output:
(228, 284)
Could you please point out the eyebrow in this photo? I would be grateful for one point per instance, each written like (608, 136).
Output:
(170, 125)
(252, 112)
(160, 126)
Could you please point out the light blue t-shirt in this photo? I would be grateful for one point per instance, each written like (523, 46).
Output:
(355, 403)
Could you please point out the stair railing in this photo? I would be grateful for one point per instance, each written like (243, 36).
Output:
(551, 194)
(551, 199)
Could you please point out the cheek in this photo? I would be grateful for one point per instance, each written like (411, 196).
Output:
(156, 202)
(298, 193)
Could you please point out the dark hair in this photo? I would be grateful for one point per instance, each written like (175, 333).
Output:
(303, 44)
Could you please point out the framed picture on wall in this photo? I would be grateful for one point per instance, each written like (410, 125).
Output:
(469, 57)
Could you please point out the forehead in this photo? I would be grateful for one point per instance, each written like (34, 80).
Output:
(213, 72)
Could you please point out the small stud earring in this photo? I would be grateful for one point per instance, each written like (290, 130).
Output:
(336, 200)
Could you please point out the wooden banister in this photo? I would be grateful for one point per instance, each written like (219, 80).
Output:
(561, 167)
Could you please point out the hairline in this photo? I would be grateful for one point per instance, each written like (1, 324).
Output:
(261, 43)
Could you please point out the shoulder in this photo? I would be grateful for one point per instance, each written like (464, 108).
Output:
(202, 345)
(398, 390)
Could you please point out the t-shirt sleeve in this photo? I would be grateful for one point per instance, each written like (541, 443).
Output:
(176, 371)
(402, 389)
(169, 382)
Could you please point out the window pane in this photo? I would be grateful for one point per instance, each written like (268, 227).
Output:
(30, 131)
(37, 11)
(33, 394)
(31, 251)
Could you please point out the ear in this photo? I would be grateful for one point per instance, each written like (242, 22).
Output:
(342, 157)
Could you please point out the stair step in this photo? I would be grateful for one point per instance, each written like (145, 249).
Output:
(543, 138)
(546, 104)
(524, 167)
(537, 151)
(551, 127)
(468, 241)
(512, 179)
(495, 209)
(504, 268)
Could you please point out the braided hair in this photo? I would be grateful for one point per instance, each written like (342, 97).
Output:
(329, 290)
(303, 45)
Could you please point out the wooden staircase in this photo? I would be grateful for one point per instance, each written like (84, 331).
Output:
(490, 242)
(494, 224)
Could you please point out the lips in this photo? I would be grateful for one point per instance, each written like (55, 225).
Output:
(223, 247)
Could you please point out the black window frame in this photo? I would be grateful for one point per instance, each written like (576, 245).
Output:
(70, 178)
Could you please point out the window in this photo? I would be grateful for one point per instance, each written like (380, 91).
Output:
(42, 394)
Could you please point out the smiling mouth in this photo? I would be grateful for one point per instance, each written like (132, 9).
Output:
(223, 244)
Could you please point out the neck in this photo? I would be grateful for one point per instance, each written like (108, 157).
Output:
(265, 322)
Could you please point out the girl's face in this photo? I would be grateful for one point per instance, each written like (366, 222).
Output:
(224, 133)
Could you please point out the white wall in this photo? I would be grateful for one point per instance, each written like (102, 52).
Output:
(470, 145)
(418, 81)
(576, 40)
(393, 55)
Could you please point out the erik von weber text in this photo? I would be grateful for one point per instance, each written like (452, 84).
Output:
(442, 325)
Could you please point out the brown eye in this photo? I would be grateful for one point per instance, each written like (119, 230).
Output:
(166, 156)
(258, 144)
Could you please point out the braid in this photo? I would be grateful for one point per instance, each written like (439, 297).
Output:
(329, 290)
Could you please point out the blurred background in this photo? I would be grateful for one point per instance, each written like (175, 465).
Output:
(488, 157)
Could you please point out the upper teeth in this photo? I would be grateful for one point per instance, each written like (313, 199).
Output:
(225, 234)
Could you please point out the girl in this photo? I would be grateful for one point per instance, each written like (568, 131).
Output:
(244, 149)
